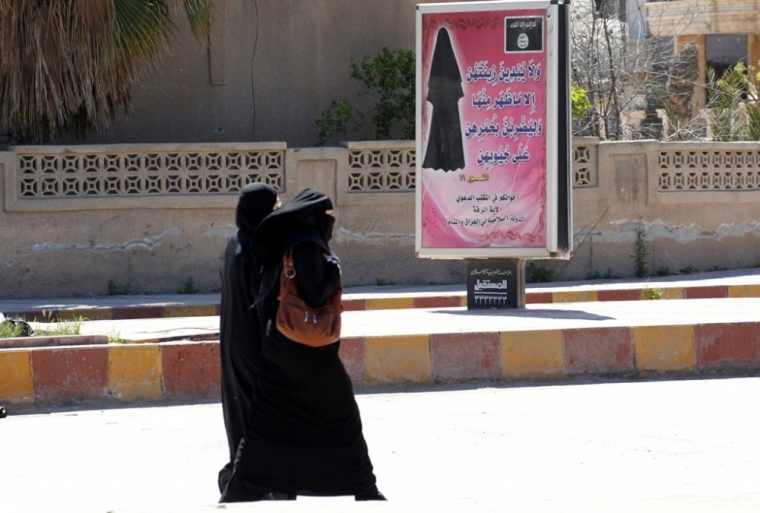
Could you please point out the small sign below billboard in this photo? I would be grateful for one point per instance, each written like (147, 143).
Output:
(495, 284)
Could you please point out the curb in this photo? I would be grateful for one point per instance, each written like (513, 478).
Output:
(447, 300)
(191, 370)
(119, 313)
(56, 340)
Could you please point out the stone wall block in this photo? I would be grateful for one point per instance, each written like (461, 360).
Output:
(398, 359)
(353, 355)
(191, 369)
(598, 351)
(465, 356)
(16, 381)
(135, 372)
(532, 354)
(719, 346)
(664, 349)
(64, 375)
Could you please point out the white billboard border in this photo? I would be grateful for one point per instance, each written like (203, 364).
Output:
(552, 41)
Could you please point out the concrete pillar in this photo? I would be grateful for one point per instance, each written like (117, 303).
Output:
(700, 92)
(753, 52)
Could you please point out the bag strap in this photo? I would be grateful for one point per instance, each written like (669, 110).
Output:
(287, 275)
(288, 282)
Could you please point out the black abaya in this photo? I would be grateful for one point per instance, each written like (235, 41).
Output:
(239, 337)
(240, 343)
(306, 437)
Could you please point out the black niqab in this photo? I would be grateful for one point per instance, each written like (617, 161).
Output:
(307, 211)
(444, 149)
(255, 202)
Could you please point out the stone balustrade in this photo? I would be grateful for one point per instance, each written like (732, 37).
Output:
(146, 218)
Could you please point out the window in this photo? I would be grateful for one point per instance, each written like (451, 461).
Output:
(724, 51)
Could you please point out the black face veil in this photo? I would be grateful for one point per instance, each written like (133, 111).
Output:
(444, 148)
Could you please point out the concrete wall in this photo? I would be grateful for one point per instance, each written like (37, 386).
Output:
(150, 217)
(697, 204)
(271, 68)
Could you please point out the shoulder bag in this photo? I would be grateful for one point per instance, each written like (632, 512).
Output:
(315, 327)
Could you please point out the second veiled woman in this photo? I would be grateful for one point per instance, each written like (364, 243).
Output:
(239, 335)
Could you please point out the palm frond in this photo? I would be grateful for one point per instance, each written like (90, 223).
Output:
(70, 64)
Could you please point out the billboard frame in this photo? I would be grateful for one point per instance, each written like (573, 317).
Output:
(557, 132)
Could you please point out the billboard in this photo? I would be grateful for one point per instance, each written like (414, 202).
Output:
(493, 130)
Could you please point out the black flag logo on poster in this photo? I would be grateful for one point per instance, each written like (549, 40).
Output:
(524, 34)
(444, 148)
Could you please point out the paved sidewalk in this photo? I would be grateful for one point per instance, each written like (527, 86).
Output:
(659, 446)
(430, 321)
(739, 283)
(427, 321)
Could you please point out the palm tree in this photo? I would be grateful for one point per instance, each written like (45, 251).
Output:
(68, 65)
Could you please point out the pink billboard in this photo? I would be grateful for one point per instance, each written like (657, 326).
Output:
(482, 171)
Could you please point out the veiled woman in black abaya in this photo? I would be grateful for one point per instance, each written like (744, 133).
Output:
(239, 334)
(305, 437)
(444, 147)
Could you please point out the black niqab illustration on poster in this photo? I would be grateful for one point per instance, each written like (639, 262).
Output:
(444, 148)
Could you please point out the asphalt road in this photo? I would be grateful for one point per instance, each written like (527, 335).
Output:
(688, 445)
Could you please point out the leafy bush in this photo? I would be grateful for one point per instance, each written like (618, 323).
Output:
(654, 293)
(188, 287)
(640, 253)
(724, 98)
(11, 328)
(596, 275)
(389, 77)
(339, 118)
(663, 271)
(538, 273)
(735, 104)
(579, 102)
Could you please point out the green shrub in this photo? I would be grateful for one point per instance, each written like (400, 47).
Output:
(538, 273)
(726, 95)
(390, 78)
(640, 253)
(57, 327)
(11, 329)
(119, 290)
(188, 287)
(579, 104)
(339, 118)
(654, 294)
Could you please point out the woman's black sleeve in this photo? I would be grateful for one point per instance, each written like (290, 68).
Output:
(317, 278)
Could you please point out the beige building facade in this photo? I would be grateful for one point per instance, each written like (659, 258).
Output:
(723, 30)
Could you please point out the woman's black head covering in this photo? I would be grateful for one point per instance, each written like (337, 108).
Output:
(303, 215)
(256, 201)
